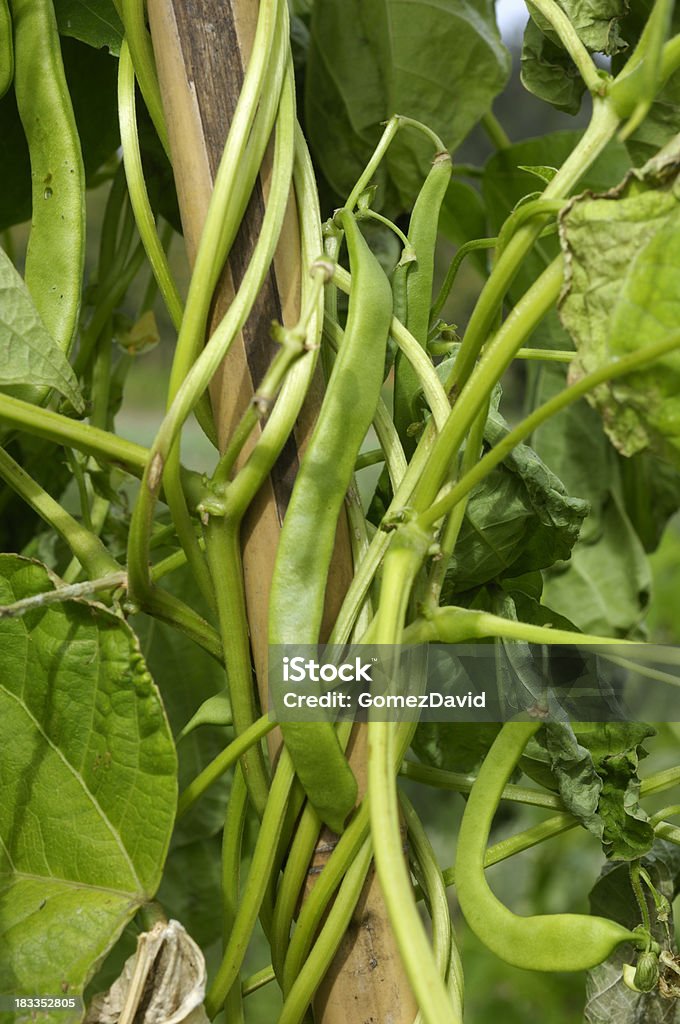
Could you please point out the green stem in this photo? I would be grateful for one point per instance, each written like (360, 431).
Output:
(456, 625)
(660, 781)
(601, 129)
(260, 869)
(395, 123)
(139, 41)
(374, 457)
(85, 546)
(665, 830)
(547, 355)
(431, 881)
(447, 544)
(639, 893)
(560, 823)
(495, 130)
(100, 444)
(472, 246)
(525, 840)
(666, 812)
(292, 885)
(160, 604)
(294, 343)
(132, 160)
(429, 989)
(112, 581)
(366, 570)
(460, 783)
(266, 79)
(498, 355)
(250, 477)
(203, 369)
(232, 853)
(318, 899)
(258, 980)
(378, 218)
(328, 941)
(222, 763)
(223, 548)
(624, 365)
(234, 181)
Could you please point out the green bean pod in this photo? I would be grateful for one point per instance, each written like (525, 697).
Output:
(548, 942)
(422, 235)
(6, 48)
(308, 534)
(56, 247)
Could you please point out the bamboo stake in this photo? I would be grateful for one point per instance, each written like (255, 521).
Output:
(202, 48)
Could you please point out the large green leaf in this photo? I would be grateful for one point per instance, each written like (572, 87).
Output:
(605, 586)
(518, 519)
(547, 69)
(95, 22)
(173, 659)
(549, 72)
(29, 357)
(439, 61)
(622, 291)
(88, 777)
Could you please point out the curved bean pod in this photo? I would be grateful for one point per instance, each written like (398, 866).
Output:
(422, 235)
(548, 942)
(56, 247)
(308, 535)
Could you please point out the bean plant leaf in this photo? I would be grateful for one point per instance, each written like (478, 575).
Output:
(441, 63)
(595, 766)
(507, 180)
(173, 659)
(600, 590)
(547, 69)
(622, 291)
(607, 998)
(605, 586)
(88, 774)
(29, 357)
(95, 22)
(454, 746)
(518, 519)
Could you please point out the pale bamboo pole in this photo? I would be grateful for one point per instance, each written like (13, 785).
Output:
(201, 48)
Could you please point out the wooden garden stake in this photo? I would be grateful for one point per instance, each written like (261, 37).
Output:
(201, 48)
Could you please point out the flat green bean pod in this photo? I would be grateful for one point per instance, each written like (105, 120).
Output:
(422, 235)
(56, 247)
(549, 942)
(308, 535)
(6, 48)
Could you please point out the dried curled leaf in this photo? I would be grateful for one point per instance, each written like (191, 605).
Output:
(163, 983)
